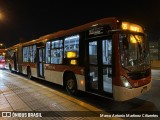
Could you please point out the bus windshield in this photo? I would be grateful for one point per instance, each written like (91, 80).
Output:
(134, 52)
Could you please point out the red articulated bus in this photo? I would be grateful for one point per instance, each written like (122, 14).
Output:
(108, 57)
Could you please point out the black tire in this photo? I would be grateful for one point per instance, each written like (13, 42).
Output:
(71, 84)
(29, 73)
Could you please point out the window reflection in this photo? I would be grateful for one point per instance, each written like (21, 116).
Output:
(56, 52)
(93, 52)
(107, 52)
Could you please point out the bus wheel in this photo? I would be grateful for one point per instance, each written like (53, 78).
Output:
(71, 85)
(29, 73)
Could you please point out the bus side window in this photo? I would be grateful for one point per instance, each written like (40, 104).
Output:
(107, 52)
(48, 52)
(71, 44)
(34, 54)
(107, 57)
(25, 54)
(57, 52)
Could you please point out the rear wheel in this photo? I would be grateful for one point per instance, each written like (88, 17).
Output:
(71, 85)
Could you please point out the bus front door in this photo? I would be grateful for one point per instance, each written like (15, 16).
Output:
(100, 65)
(40, 66)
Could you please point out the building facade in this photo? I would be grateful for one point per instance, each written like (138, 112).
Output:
(155, 53)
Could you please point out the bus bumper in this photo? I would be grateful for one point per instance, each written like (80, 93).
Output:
(122, 94)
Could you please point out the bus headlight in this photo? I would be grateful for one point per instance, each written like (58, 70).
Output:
(125, 82)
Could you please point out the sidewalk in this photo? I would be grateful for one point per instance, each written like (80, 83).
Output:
(20, 94)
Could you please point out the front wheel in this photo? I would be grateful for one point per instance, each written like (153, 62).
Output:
(71, 85)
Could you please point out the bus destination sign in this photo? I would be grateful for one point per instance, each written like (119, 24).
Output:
(97, 31)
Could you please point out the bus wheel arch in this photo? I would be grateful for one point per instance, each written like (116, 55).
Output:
(70, 82)
(29, 75)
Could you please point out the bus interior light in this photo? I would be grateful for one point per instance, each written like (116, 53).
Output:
(135, 39)
(82, 82)
(125, 82)
(73, 62)
(132, 39)
(71, 54)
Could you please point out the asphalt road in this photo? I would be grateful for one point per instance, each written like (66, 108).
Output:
(149, 101)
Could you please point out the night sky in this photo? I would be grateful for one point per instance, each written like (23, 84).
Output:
(25, 20)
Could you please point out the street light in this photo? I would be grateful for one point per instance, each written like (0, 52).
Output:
(1, 16)
(2, 46)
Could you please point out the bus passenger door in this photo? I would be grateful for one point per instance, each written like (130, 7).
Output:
(15, 60)
(40, 66)
(93, 65)
(100, 65)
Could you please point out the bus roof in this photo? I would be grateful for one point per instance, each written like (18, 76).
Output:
(105, 21)
(61, 33)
